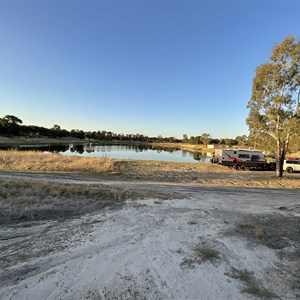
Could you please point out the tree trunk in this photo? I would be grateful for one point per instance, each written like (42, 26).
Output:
(281, 152)
(280, 158)
(279, 165)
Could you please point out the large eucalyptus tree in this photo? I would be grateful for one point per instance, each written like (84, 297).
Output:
(274, 105)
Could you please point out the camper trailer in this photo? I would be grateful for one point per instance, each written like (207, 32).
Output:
(239, 159)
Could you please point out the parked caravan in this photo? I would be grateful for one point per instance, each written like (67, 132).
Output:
(239, 159)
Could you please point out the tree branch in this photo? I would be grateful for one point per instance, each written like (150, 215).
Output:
(298, 105)
(282, 90)
(266, 89)
(270, 134)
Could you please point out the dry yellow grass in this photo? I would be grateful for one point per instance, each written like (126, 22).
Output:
(52, 162)
(168, 172)
(200, 173)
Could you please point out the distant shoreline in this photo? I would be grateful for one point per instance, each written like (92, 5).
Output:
(17, 141)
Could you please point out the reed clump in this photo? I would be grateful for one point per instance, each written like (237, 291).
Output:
(52, 162)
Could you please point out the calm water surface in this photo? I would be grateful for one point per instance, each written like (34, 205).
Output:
(136, 152)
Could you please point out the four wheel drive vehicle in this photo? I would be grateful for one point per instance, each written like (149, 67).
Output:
(291, 165)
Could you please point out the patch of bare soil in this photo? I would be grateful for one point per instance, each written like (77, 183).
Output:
(278, 232)
(212, 243)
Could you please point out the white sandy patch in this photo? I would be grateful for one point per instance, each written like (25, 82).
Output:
(137, 253)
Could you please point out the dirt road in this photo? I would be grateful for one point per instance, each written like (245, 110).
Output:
(213, 243)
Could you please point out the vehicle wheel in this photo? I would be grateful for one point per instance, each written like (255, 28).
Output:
(289, 170)
(235, 167)
(243, 168)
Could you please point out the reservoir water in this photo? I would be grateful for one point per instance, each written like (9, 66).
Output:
(136, 152)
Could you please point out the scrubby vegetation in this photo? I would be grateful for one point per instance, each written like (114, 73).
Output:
(201, 254)
(31, 201)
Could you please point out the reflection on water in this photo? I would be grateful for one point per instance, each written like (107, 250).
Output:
(42, 148)
(138, 152)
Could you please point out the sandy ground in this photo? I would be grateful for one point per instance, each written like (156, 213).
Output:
(152, 249)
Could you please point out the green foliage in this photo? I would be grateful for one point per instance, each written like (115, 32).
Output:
(274, 104)
(295, 143)
(196, 140)
(242, 140)
(12, 119)
(205, 138)
(10, 125)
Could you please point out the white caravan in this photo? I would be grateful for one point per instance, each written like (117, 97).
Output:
(239, 159)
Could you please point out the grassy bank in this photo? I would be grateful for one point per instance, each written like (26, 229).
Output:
(200, 173)
(22, 200)
(28, 201)
(159, 171)
(52, 162)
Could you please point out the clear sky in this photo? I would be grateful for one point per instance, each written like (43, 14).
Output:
(149, 67)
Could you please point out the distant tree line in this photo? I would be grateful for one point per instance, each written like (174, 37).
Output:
(11, 126)
(205, 139)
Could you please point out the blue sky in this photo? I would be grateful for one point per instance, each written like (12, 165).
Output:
(150, 67)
